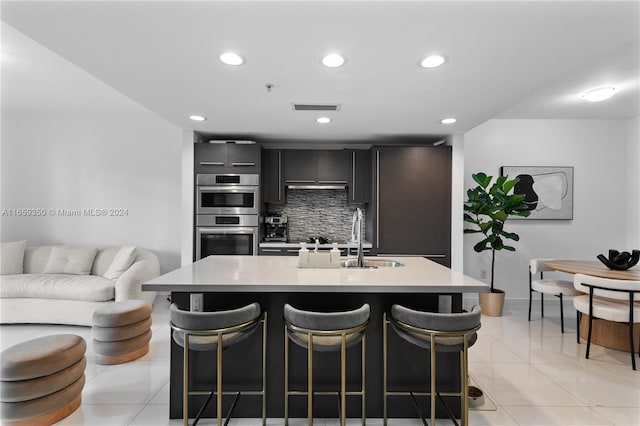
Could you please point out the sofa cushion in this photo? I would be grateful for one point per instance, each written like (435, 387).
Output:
(123, 260)
(12, 257)
(70, 260)
(35, 259)
(58, 286)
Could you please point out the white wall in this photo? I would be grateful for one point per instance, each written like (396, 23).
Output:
(187, 208)
(457, 201)
(598, 151)
(633, 159)
(93, 160)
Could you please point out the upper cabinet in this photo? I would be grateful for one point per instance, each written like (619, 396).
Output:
(351, 168)
(359, 189)
(273, 190)
(227, 158)
(316, 167)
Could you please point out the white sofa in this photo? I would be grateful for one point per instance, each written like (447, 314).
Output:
(70, 298)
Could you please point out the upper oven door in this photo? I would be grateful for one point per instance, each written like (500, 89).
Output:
(227, 199)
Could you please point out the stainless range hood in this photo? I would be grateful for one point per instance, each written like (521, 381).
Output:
(316, 186)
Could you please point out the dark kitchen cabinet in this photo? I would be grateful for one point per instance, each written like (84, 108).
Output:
(227, 158)
(359, 190)
(316, 166)
(300, 166)
(332, 166)
(277, 251)
(272, 178)
(412, 201)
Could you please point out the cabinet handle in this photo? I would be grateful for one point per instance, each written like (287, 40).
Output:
(300, 181)
(293, 250)
(243, 164)
(378, 199)
(353, 176)
(343, 182)
(270, 250)
(211, 163)
(279, 175)
(413, 255)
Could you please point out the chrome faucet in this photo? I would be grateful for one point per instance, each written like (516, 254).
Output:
(356, 235)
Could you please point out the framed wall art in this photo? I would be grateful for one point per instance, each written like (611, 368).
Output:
(548, 191)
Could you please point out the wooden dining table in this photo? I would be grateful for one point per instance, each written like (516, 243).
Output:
(609, 334)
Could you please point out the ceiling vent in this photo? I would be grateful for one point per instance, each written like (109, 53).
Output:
(316, 107)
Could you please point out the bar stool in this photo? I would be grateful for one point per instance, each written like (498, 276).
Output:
(325, 332)
(215, 331)
(437, 333)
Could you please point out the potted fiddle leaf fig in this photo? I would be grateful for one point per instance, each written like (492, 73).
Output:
(487, 208)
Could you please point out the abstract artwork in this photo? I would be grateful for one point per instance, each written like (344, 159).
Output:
(548, 191)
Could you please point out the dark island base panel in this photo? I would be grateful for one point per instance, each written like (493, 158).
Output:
(408, 364)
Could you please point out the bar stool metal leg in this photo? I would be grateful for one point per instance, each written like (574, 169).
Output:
(432, 357)
(310, 380)
(384, 369)
(219, 382)
(185, 381)
(286, 378)
(362, 390)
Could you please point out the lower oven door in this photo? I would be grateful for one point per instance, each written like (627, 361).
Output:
(226, 241)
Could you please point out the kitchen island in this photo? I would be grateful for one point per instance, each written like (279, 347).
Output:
(272, 281)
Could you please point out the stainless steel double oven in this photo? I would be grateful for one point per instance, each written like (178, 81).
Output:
(227, 212)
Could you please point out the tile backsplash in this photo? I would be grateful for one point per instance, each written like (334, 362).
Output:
(317, 213)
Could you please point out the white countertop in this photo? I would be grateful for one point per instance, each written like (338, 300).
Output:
(281, 274)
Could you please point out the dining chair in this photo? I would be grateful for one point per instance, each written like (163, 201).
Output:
(213, 332)
(611, 300)
(550, 286)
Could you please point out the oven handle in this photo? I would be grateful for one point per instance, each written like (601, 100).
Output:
(227, 230)
(228, 188)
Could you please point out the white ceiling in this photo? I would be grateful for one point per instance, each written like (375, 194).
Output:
(507, 59)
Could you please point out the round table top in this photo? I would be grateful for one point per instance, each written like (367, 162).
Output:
(594, 268)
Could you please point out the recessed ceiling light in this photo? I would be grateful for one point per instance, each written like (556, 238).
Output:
(231, 58)
(599, 94)
(333, 60)
(323, 120)
(433, 61)
(448, 120)
(197, 118)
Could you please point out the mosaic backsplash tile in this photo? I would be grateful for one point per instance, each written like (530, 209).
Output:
(317, 213)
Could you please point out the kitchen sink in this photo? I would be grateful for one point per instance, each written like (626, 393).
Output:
(371, 263)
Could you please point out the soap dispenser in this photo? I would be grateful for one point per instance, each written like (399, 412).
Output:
(303, 254)
(335, 254)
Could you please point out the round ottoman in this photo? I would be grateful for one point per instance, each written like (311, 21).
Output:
(121, 331)
(42, 379)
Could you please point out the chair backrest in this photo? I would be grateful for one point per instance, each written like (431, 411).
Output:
(438, 321)
(326, 321)
(537, 265)
(583, 282)
(213, 320)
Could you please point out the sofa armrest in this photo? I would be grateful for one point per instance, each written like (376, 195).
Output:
(129, 284)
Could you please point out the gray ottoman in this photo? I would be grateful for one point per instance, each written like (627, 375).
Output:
(42, 380)
(121, 331)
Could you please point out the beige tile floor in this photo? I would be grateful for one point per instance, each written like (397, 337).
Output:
(533, 373)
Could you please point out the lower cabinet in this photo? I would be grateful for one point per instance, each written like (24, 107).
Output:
(278, 251)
